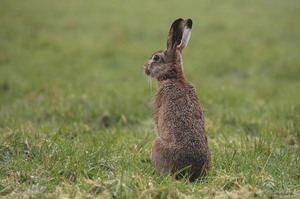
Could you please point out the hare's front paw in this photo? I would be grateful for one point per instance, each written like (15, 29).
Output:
(159, 156)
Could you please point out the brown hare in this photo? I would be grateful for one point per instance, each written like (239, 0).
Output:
(181, 147)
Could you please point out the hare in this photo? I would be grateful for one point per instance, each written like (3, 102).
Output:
(181, 147)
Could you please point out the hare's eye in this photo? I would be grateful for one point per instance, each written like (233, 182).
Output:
(156, 57)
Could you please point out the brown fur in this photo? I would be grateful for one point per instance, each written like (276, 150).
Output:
(182, 141)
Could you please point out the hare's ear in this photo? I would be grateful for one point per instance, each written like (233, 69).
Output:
(175, 35)
(179, 35)
(187, 30)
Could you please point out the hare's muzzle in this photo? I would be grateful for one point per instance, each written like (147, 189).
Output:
(146, 70)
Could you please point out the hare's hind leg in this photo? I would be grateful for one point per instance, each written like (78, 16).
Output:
(160, 156)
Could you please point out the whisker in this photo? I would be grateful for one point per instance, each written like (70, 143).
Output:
(150, 83)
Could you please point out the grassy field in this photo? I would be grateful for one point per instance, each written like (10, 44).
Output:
(76, 108)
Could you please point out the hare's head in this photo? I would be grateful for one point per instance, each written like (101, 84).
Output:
(166, 64)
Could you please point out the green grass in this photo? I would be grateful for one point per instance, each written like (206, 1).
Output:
(75, 107)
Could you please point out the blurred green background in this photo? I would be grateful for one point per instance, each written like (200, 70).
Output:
(77, 66)
(240, 52)
(244, 53)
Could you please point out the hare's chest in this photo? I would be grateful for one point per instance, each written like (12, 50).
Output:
(160, 112)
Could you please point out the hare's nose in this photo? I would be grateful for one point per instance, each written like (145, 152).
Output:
(147, 71)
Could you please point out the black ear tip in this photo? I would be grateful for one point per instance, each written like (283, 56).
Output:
(189, 23)
(176, 24)
(177, 21)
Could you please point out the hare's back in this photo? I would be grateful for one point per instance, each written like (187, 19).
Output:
(179, 111)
